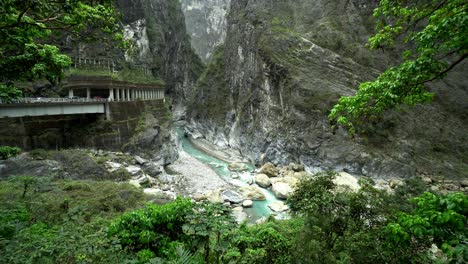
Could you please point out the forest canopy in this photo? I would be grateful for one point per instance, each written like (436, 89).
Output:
(26, 25)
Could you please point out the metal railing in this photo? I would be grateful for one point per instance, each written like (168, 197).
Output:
(106, 64)
(44, 100)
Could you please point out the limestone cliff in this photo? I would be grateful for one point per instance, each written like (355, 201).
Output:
(158, 29)
(268, 92)
(206, 24)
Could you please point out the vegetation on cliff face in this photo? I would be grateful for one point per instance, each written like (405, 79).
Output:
(435, 31)
(26, 25)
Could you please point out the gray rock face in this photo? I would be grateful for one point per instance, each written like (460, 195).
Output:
(233, 197)
(285, 64)
(206, 24)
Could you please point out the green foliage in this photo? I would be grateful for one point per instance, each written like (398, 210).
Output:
(153, 227)
(7, 152)
(436, 33)
(339, 224)
(207, 220)
(126, 74)
(40, 154)
(62, 221)
(26, 25)
(8, 92)
(441, 220)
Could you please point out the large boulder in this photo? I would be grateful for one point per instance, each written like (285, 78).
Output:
(112, 166)
(140, 160)
(269, 169)
(263, 180)
(282, 190)
(133, 170)
(247, 204)
(252, 193)
(278, 206)
(232, 197)
(345, 180)
(238, 167)
(152, 168)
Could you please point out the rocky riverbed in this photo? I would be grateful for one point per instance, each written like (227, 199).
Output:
(252, 193)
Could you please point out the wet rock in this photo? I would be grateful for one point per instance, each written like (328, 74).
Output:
(278, 206)
(235, 176)
(263, 180)
(252, 193)
(238, 167)
(232, 196)
(269, 169)
(346, 180)
(247, 204)
(282, 190)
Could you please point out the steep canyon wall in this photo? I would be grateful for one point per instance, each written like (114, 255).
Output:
(269, 90)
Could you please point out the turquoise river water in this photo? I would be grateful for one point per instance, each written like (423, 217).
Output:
(260, 208)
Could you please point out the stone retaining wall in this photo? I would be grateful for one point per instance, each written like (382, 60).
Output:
(87, 130)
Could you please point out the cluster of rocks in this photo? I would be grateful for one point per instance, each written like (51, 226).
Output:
(282, 181)
(145, 174)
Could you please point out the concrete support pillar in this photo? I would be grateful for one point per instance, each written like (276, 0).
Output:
(117, 94)
(145, 95)
(70, 93)
(111, 94)
(128, 94)
(88, 93)
(124, 95)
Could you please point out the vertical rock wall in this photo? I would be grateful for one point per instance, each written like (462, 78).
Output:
(158, 29)
(285, 63)
(206, 24)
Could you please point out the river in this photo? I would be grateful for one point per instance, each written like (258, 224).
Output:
(260, 208)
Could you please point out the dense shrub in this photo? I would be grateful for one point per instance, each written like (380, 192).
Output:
(7, 152)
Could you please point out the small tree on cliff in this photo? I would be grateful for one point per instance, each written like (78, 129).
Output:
(436, 31)
(25, 26)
